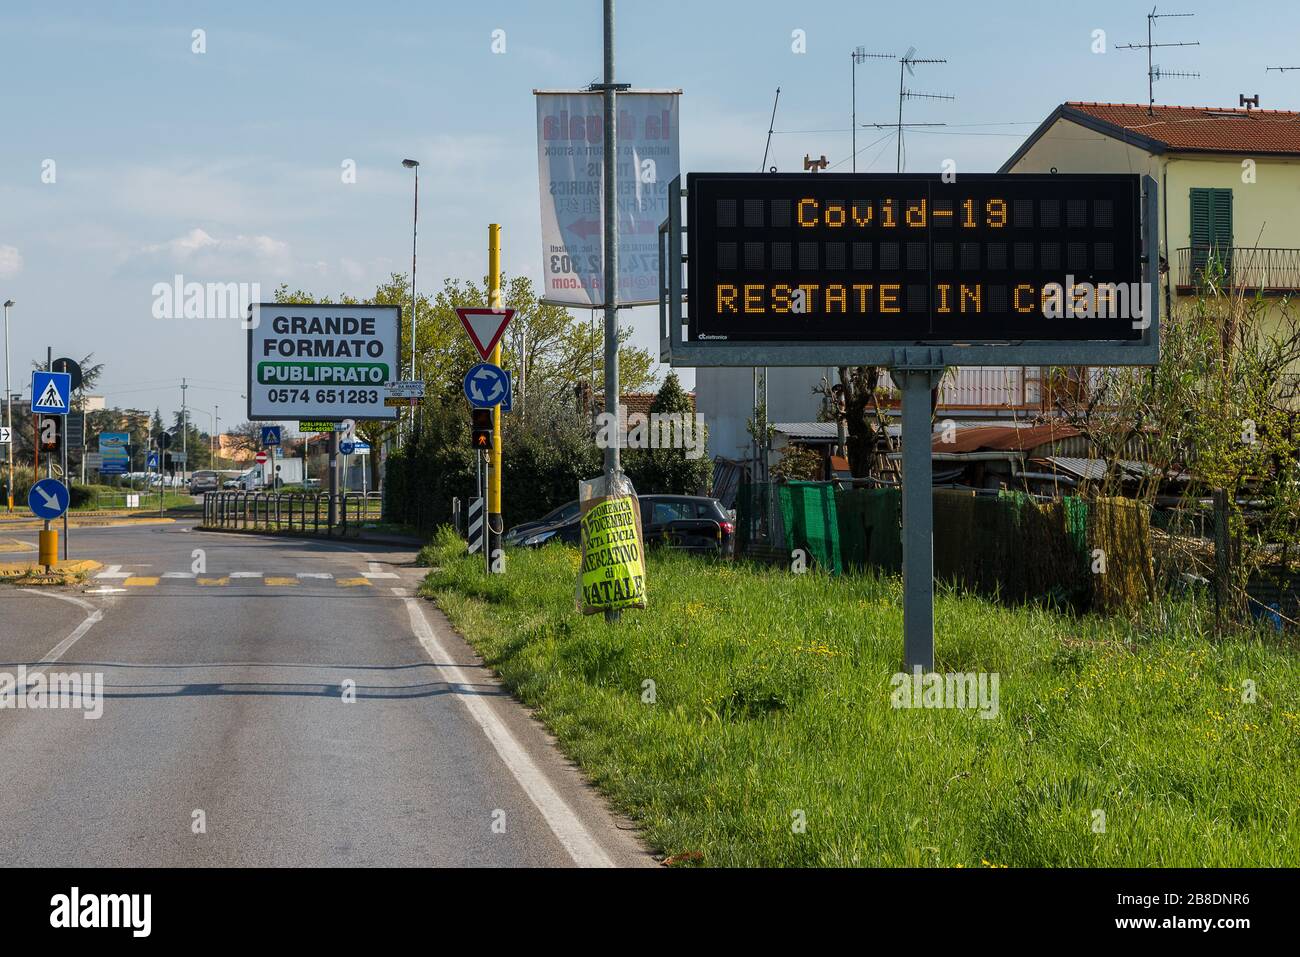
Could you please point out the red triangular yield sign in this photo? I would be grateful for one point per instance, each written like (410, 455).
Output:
(485, 327)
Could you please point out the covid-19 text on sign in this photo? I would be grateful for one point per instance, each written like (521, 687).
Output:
(323, 362)
(915, 258)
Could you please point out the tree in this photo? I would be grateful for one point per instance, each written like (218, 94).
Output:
(1219, 411)
(669, 470)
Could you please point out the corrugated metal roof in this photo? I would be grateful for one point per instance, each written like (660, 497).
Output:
(1004, 438)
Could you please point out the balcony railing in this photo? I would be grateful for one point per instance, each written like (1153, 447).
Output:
(1268, 270)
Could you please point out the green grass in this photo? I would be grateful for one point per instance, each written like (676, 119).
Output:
(772, 698)
(105, 497)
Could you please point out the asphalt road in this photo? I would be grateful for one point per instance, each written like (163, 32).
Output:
(227, 736)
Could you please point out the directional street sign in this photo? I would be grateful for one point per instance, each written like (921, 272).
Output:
(486, 385)
(4, 435)
(153, 460)
(406, 389)
(485, 327)
(270, 435)
(48, 499)
(50, 392)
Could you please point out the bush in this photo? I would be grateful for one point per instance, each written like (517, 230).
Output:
(540, 469)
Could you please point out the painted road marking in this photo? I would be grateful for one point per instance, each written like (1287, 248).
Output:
(179, 575)
(141, 581)
(113, 571)
(245, 574)
(105, 590)
(376, 571)
(273, 580)
(564, 823)
(351, 582)
(214, 581)
(315, 575)
(57, 651)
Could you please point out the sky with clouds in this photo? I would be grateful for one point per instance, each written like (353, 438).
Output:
(226, 165)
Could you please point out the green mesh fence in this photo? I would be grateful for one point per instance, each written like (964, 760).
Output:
(811, 521)
(1011, 546)
(870, 525)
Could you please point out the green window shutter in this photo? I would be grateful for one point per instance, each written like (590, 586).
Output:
(1200, 218)
(1221, 218)
(1211, 226)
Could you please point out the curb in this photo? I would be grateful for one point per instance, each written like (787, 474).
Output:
(72, 567)
(107, 522)
(416, 543)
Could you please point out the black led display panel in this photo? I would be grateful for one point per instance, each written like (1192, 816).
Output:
(910, 258)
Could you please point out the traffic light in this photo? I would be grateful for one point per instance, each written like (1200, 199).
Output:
(50, 433)
(481, 423)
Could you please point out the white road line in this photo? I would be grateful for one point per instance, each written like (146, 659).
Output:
(57, 651)
(564, 823)
(315, 575)
(113, 571)
(244, 575)
(377, 571)
(179, 575)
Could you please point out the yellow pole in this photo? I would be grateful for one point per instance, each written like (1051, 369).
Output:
(495, 524)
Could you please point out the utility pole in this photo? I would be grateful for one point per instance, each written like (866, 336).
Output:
(495, 525)
(9, 408)
(613, 468)
(185, 433)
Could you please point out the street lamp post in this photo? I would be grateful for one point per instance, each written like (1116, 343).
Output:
(415, 223)
(9, 409)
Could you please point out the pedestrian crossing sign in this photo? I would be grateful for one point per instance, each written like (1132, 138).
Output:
(51, 392)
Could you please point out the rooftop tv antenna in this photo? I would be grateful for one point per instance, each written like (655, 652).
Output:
(858, 55)
(1153, 70)
(771, 127)
(1281, 69)
(906, 62)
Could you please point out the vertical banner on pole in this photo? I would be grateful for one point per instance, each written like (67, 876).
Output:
(570, 145)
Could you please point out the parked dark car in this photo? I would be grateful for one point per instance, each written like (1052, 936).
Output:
(693, 523)
(556, 516)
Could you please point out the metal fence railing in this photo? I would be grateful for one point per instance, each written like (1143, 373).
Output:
(292, 511)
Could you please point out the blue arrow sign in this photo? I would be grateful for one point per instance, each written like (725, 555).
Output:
(270, 435)
(48, 498)
(486, 385)
(51, 392)
(347, 448)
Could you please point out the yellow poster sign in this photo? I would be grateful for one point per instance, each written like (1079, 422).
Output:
(613, 565)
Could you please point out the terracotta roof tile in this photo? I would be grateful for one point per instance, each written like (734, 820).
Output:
(1218, 129)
